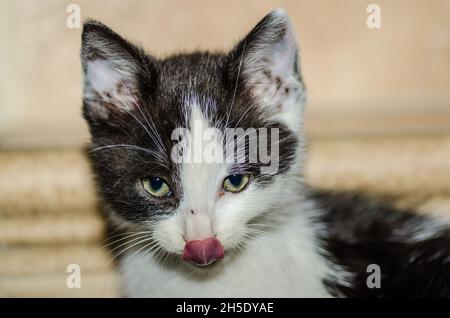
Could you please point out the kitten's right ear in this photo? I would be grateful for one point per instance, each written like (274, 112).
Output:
(114, 69)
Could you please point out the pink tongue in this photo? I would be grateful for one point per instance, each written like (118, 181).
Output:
(204, 252)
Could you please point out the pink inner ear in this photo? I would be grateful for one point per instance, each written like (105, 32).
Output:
(204, 252)
(284, 54)
(105, 84)
(101, 76)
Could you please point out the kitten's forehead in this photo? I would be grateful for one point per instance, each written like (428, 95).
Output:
(196, 83)
(198, 72)
(201, 80)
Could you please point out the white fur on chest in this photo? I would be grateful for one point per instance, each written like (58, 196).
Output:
(284, 263)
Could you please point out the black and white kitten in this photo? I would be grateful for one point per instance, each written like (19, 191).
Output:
(225, 229)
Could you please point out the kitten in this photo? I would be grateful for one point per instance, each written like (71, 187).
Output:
(191, 228)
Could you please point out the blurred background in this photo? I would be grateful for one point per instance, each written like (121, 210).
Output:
(378, 114)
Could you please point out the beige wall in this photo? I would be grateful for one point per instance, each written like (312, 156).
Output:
(360, 80)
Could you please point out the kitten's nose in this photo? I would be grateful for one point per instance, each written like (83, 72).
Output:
(203, 253)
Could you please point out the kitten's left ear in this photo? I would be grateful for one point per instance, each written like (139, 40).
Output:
(114, 70)
(267, 65)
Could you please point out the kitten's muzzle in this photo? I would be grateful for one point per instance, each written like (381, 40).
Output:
(203, 253)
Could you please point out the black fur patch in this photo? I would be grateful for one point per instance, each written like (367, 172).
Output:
(362, 231)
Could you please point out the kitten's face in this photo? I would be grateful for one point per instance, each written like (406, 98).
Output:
(136, 106)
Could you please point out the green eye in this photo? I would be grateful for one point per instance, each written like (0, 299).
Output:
(156, 186)
(235, 182)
